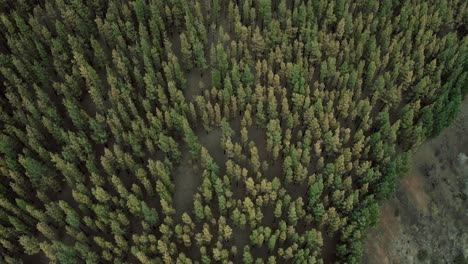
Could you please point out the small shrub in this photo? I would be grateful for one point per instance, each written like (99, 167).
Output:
(422, 255)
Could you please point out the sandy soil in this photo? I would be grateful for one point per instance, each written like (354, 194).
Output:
(427, 219)
(186, 181)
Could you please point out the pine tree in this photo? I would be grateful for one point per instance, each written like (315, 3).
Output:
(292, 215)
(186, 50)
(30, 244)
(247, 256)
(278, 209)
(72, 217)
(149, 214)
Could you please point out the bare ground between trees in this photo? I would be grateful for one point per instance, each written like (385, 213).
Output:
(427, 219)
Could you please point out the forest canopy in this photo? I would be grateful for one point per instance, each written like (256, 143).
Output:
(218, 131)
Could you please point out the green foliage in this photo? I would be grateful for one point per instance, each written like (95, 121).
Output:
(149, 215)
(114, 114)
(30, 244)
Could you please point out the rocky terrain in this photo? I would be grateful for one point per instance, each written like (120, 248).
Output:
(427, 219)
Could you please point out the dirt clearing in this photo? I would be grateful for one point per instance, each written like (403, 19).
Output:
(427, 219)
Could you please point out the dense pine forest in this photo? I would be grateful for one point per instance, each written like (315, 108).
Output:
(217, 131)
